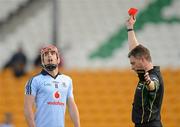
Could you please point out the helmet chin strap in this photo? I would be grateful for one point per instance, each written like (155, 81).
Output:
(50, 67)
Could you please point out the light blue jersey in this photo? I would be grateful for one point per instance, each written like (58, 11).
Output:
(51, 95)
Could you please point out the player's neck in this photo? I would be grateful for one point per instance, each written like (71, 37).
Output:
(54, 72)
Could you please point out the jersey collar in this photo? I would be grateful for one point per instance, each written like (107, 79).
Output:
(155, 68)
(44, 72)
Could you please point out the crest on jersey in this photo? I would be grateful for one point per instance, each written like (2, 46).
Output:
(63, 84)
(57, 95)
(56, 85)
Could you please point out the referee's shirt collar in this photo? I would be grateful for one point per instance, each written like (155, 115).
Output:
(155, 68)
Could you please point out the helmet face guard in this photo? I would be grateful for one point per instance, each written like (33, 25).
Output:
(49, 67)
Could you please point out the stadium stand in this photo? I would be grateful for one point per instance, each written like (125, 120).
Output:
(8, 8)
(104, 98)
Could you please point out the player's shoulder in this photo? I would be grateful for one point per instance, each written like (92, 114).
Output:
(64, 76)
(35, 77)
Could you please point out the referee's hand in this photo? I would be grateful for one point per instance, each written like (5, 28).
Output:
(147, 78)
(130, 22)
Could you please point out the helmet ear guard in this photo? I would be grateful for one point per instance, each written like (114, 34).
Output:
(49, 67)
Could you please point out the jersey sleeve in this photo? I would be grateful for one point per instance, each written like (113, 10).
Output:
(155, 79)
(31, 87)
(70, 90)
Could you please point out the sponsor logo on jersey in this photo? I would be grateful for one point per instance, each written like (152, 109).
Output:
(56, 96)
(55, 103)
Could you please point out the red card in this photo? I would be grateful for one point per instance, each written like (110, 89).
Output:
(132, 11)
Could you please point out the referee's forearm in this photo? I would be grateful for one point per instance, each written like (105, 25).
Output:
(132, 40)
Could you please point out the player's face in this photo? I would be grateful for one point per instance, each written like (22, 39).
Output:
(50, 57)
(136, 63)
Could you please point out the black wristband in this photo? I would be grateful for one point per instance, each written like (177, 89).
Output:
(129, 30)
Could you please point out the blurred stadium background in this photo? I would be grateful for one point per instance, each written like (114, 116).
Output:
(92, 39)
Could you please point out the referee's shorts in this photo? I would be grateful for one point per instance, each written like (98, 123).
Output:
(150, 124)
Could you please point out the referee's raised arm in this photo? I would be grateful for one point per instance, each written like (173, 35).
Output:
(132, 41)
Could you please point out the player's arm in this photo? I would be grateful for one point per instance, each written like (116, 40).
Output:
(73, 111)
(28, 110)
(132, 40)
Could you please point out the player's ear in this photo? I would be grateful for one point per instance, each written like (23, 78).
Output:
(42, 60)
(58, 58)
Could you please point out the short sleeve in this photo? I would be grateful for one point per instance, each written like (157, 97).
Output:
(31, 87)
(70, 90)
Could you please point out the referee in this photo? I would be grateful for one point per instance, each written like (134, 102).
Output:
(150, 88)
